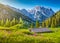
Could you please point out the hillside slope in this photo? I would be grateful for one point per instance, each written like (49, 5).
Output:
(53, 21)
(7, 12)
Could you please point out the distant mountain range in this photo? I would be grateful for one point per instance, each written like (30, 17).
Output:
(41, 13)
(37, 13)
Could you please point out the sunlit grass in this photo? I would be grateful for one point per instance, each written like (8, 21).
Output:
(25, 36)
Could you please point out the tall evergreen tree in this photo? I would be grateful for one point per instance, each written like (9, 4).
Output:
(13, 22)
(43, 24)
(32, 26)
(7, 23)
(52, 24)
(2, 22)
(37, 24)
(21, 21)
(47, 23)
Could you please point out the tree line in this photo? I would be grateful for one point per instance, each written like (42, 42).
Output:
(53, 21)
(8, 23)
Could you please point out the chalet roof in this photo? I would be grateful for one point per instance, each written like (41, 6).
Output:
(40, 30)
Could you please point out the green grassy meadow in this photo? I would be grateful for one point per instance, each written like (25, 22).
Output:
(14, 27)
(12, 35)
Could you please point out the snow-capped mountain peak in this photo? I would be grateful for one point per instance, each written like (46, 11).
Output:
(41, 12)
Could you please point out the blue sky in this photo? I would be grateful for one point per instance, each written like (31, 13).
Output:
(29, 4)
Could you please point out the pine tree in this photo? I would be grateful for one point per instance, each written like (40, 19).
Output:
(55, 22)
(20, 21)
(49, 20)
(13, 22)
(7, 24)
(32, 26)
(2, 22)
(16, 21)
(43, 24)
(47, 23)
(52, 24)
(37, 24)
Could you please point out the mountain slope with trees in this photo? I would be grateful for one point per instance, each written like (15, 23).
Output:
(53, 21)
(9, 17)
(7, 12)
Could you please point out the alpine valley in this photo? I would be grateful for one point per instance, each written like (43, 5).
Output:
(20, 24)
